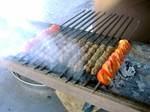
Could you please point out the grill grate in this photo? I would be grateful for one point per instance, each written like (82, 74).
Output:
(88, 31)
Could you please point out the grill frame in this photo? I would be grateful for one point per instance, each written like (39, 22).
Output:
(109, 20)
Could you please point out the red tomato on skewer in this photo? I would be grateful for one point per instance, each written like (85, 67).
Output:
(51, 30)
(120, 53)
(103, 77)
(108, 69)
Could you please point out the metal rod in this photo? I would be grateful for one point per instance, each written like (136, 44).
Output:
(86, 82)
(78, 21)
(92, 34)
(91, 24)
(96, 87)
(86, 18)
(73, 17)
(115, 23)
(107, 28)
(70, 30)
(115, 33)
(97, 29)
(110, 38)
(110, 25)
(119, 28)
(81, 15)
(126, 28)
(100, 39)
(84, 22)
(78, 34)
(105, 20)
(87, 21)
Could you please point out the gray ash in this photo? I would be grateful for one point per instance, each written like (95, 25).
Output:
(132, 80)
(128, 69)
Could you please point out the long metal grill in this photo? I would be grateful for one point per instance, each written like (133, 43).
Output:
(78, 50)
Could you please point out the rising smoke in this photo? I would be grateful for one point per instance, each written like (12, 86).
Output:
(53, 50)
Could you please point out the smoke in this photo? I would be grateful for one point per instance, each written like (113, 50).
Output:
(55, 51)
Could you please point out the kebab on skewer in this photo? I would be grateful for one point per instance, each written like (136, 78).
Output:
(68, 51)
(112, 65)
(82, 51)
(49, 31)
(85, 57)
(101, 60)
(97, 54)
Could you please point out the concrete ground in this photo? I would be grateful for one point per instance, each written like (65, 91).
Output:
(14, 97)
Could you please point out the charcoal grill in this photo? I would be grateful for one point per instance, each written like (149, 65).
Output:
(98, 28)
